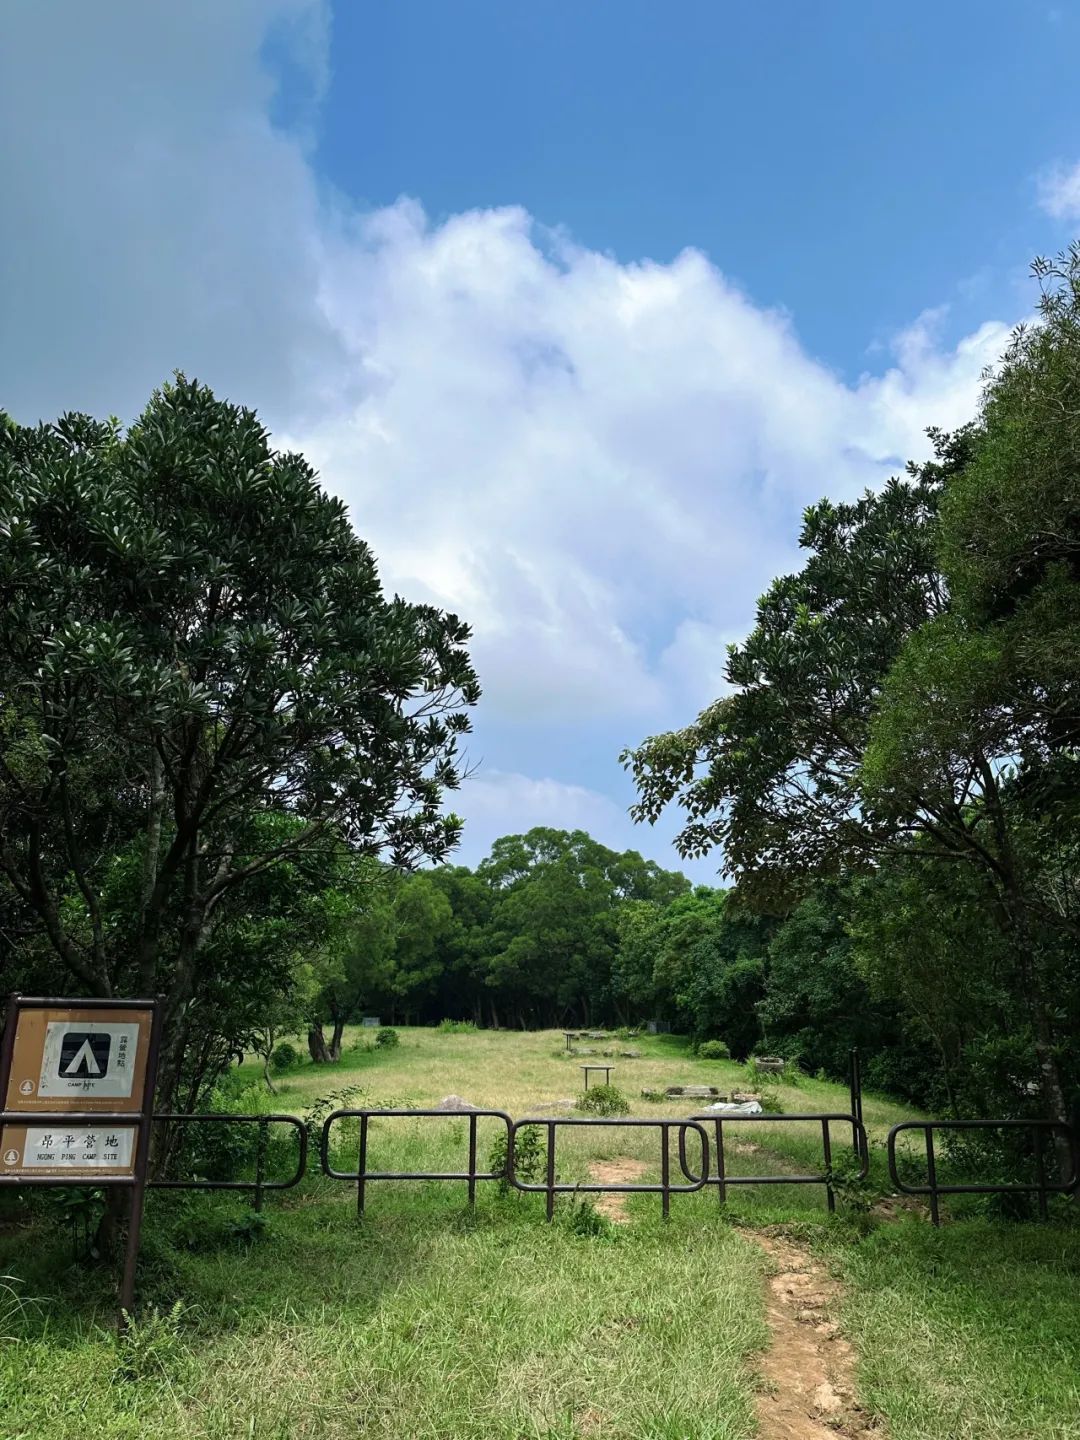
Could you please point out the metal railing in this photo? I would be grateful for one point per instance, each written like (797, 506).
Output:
(260, 1184)
(551, 1186)
(722, 1180)
(362, 1175)
(1041, 1129)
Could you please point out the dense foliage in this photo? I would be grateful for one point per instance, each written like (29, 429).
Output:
(209, 715)
(902, 726)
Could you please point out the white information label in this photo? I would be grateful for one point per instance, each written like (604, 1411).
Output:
(89, 1057)
(79, 1147)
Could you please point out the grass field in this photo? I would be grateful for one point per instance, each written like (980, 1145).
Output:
(430, 1320)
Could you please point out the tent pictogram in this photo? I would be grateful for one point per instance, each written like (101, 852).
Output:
(84, 1054)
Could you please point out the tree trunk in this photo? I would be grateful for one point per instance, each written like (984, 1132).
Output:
(316, 1044)
(106, 1242)
(335, 1039)
(1055, 1106)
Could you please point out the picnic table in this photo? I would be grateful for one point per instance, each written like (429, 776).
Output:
(607, 1069)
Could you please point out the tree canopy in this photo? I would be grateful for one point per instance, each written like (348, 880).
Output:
(193, 637)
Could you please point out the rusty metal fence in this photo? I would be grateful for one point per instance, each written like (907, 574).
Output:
(723, 1180)
(362, 1175)
(1040, 1131)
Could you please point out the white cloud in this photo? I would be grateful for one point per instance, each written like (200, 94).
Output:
(599, 464)
(1059, 191)
(499, 802)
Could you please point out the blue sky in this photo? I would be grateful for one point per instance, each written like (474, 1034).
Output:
(576, 305)
(852, 162)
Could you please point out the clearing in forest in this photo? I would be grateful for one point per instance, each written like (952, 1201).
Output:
(430, 1320)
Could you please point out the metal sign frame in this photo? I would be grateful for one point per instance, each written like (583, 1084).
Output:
(141, 1120)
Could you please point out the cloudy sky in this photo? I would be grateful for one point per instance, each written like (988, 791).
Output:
(576, 305)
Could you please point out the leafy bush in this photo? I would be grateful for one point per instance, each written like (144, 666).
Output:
(713, 1050)
(246, 1229)
(284, 1057)
(530, 1157)
(771, 1103)
(201, 1225)
(386, 1038)
(456, 1027)
(214, 1150)
(350, 1097)
(857, 1193)
(604, 1100)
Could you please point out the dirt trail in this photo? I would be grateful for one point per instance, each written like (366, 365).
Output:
(808, 1369)
(621, 1170)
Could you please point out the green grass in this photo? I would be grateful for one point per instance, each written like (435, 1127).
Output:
(428, 1320)
(971, 1332)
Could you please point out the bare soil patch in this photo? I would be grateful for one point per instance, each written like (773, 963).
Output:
(621, 1170)
(808, 1369)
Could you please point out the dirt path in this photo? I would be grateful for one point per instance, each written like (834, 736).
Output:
(808, 1369)
(621, 1170)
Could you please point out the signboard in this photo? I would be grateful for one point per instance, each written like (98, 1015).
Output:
(77, 1091)
(79, 1059)
(100, 1150)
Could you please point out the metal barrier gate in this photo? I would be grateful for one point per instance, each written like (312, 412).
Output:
(722, 1180)
(260, 1184)
(1042, 1187)
(362, 1174)
(665, 1189)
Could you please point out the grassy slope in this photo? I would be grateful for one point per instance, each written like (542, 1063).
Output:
(427, 1321)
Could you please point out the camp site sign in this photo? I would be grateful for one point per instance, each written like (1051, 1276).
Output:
(77, 1060)
(58, 1149)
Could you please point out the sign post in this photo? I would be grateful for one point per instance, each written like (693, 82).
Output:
(77, 1081)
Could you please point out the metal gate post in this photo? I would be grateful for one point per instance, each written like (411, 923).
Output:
(361, 1166)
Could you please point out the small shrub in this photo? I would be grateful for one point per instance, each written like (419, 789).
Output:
(713, 1050)
(283, 1057)
(857, 1193)
(530, 1157)
(246, 1229)
(771, 1103)
(200, 1226)
(213, 1150)
(581, 1217)
(757, 1079)
(351, 1097)
(386, 1038)
(456, 1027)
(604, 1100)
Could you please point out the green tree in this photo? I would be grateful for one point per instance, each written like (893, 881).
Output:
(191, 634)
(857, 725)
(819, 1004)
